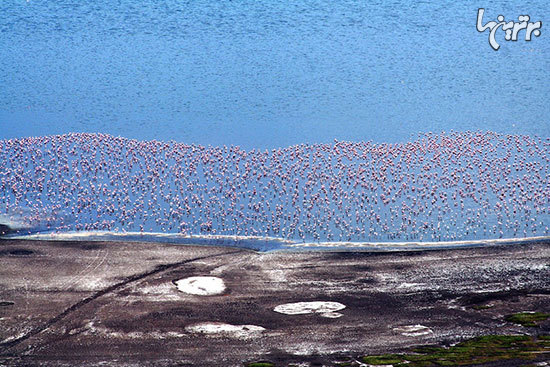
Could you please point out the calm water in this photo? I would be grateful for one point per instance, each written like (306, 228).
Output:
(264, 74)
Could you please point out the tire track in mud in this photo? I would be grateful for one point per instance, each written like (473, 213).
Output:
(86, 271)
(133, 278)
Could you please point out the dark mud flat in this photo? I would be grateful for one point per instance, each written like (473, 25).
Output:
(116, 304)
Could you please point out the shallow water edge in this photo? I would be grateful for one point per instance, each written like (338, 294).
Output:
(272, 244)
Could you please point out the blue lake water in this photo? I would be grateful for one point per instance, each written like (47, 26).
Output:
(264, 74)
(305, 77)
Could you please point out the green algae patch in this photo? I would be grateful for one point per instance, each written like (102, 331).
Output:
(260, 364)
(383, 359)
(527, 319)
(481, 350)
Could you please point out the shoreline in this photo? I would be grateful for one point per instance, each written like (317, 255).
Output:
(272, 244)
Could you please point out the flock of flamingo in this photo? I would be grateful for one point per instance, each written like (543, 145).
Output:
(439, 187)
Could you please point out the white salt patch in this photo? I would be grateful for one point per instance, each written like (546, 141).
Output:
(412, 285)
(201, 286)
(222, 329)
(332, 315)
(303, 308)
(277, 276)
(311, 348)
(13, 337)
(413, 330)
(94, 284)
(91, 328)
(157, 293)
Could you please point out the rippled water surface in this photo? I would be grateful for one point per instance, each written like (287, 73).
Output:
(263, 123)
(264, 74)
